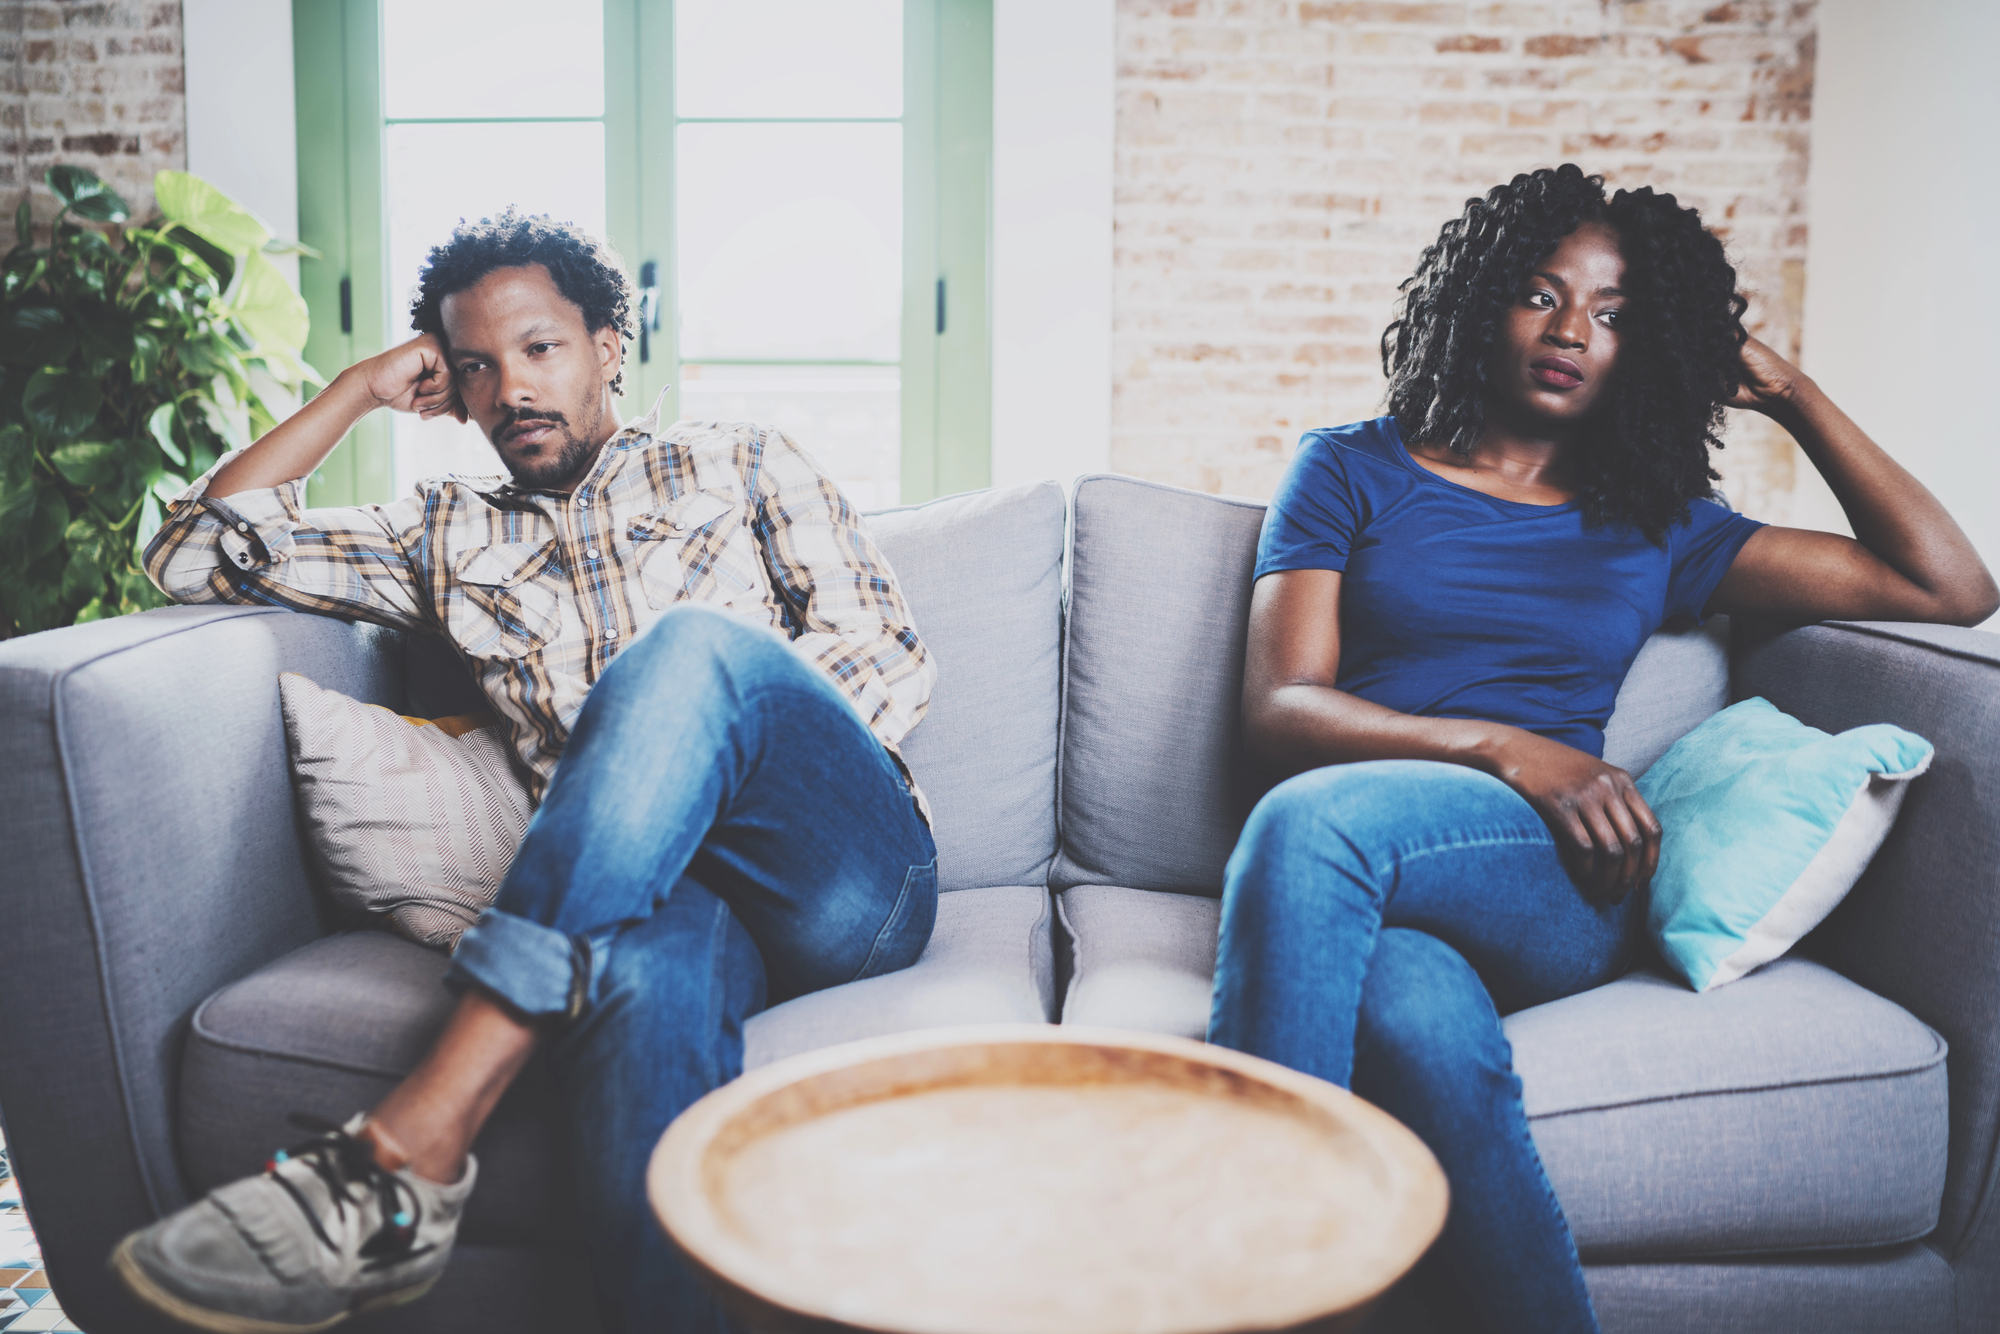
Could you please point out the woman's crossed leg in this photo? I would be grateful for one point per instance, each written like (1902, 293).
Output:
(1377, 919)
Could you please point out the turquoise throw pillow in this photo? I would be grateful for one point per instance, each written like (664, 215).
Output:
(1768, 823)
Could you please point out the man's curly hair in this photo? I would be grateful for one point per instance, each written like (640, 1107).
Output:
(1645, 453)
(586, 271)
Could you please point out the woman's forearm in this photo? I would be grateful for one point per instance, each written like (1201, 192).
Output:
(1297, 727)
(1892, 513)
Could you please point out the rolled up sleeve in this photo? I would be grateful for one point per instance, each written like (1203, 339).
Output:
(262, 546)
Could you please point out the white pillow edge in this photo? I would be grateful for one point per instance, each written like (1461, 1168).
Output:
(1827, 879)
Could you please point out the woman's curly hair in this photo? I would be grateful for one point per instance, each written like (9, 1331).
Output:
(586, 271)
(1645, 455)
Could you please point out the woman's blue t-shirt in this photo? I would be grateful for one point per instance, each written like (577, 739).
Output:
(1457, 604)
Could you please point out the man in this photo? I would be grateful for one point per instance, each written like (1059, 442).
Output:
(727, 801)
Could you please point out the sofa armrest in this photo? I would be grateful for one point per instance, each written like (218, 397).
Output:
(151, 857)
(1923, 926)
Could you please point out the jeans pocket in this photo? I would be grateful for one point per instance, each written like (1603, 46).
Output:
(907, 928)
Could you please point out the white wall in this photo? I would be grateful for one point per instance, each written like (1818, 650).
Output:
(1903, 266)
(241, 113)
(1053, 62)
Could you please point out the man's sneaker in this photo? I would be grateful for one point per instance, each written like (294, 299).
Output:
(323, 1234)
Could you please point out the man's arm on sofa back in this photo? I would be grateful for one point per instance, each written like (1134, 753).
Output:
(151, 856)
(1923, 926)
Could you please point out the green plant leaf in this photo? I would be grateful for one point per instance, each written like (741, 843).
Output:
(84, 194)
(16, 451)
(45, 529)
(210, 214)
(150, 519)
(17, 503)
(35, 334)
(87, 463)
(212, 266)
(279, 246)
(161, 424)
(262, 421)
(107, 339)
(93, 247)
(146, 353)
(200, 357)
(60, 405)
(82, 577)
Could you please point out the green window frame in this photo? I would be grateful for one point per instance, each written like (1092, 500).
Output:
(946, 366)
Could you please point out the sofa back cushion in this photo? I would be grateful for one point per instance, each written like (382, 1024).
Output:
(983, 576)
(1159, 594)
(1680, 677)
(1160, 577)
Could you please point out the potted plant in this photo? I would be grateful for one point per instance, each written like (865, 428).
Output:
(129, 361)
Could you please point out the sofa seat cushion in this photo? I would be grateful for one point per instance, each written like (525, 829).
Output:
(1139, 958)
(990, 961)
(330, 1028)
(1792, 1110)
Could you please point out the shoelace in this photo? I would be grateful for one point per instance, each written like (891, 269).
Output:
(343, 1162)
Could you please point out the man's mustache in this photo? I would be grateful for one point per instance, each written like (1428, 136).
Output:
(515, 416)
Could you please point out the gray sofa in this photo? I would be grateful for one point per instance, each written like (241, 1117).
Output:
(1796, 1151)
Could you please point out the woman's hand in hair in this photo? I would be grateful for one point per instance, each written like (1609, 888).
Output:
(1608, 835)
(1768, 380)
(1908, 559)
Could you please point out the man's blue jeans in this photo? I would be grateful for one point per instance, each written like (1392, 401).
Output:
(723, 830)
(1377, 919)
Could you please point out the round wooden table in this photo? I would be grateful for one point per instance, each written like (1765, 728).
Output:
(1036, 1179)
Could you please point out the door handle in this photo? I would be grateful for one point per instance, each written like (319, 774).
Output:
(649, 308)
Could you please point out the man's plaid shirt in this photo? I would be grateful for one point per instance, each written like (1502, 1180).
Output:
(540, 590)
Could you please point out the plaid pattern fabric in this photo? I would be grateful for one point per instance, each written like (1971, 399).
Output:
(539, 590)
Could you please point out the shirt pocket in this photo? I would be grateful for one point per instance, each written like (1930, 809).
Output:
(508, 605)
(697, 546)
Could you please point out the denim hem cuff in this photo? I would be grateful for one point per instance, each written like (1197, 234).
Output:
(530, 966)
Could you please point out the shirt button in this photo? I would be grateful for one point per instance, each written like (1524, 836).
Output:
(677, 525)
(611, 632)
(582, 503)
(244, 527)
(590, 554)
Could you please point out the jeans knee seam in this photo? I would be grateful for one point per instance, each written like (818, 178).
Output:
(1437, 848)
(889, 922)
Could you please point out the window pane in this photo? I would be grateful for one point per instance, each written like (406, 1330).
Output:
(783, 58)
(847, 417)
(438, 174)
(492, 58)
(791, 242)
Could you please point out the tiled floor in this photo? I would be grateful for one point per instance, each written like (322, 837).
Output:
(25, 1300)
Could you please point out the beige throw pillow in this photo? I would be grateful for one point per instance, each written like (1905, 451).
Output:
(413, 821)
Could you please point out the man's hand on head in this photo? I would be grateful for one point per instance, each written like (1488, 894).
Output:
(414, 377)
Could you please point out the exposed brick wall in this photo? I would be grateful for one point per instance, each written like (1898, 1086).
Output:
(96, 85)
(1281, 164)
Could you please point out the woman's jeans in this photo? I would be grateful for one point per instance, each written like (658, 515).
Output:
(722, 830)
(1377, 920)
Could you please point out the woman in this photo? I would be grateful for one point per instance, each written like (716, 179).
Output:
(1447, 600)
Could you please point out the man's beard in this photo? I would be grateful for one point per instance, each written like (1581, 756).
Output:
(550, 467)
